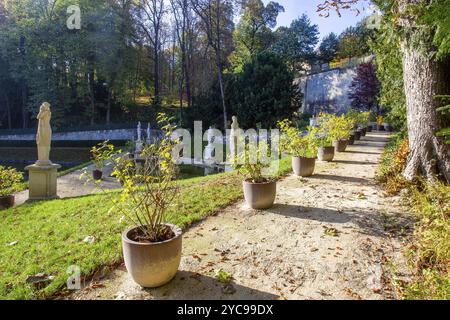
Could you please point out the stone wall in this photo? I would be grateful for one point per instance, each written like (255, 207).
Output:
(327, 91)
(99, 135)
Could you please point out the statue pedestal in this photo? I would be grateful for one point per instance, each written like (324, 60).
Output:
(42, 181)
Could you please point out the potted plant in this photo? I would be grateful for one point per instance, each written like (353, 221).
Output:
(323, 139)
(10, 182)
(340, 128)
(259, 189)
(303, 149)
(380, 121)
(355, 134)
(151, 246)
(100, 154)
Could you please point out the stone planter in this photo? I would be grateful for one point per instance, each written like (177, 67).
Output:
(363, 132)
(380, 128)
(326, 154)
(357, 135)
(260, 196)
(369, 128)
(351, 139)
(152, 265)
(303, 167)
(340, 145)
(6, 202)
(97, 174)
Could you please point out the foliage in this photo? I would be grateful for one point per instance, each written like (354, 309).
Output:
(353, 42)
(389, 71)
(296, 43)
(224, 277)
(340, 127)
(10, 181)
(101, 153)
(380, 120)
(149, 191)
(365, 88)
(264, 92)
(429, 250)
(252, 161)
(322, 132)
(328, 47)
(253, 33)
(294, 143)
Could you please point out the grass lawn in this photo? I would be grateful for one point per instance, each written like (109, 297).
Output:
(47, 237)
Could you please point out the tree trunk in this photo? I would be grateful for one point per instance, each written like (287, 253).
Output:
(24, 106)
(108, 107)
(424, 79)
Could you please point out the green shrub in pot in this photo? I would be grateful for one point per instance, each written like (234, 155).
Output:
(101, 153)
(259, 188)
(10, 182)
(303, 149)
(340, 128)
(151, 247)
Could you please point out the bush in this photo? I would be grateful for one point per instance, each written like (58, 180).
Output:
(264, 92)
(429, 252)
(293, 143)
(10, 181)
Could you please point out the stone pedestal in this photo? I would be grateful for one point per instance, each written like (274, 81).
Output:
(42, 181)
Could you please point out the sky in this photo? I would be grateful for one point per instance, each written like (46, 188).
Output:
(295, 8)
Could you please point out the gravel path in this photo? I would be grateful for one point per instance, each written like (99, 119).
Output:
(331, 236)
(71, 185)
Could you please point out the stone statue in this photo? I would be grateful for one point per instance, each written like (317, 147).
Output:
(210, 148)
(139, 131)
(43, 174)
(234, 136)
(149, 132)
(44, 135)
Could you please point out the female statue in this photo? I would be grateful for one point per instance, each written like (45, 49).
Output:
(44, 134)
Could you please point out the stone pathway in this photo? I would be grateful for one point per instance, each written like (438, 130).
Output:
(330, 236)
(70, 185)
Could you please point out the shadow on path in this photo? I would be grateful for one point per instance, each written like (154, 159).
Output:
(340, 178)
(195, 286)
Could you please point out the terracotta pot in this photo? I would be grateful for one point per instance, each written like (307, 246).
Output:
(326, 154)
(357, 135)
(351, 140)
(152, 265)
(340, 145)
(7, 201)
(97, 174)
(260, 196)
(303, 167)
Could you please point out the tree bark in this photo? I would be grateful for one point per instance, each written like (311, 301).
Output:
(424, 79)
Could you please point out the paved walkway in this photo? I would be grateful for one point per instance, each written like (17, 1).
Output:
(330, 236)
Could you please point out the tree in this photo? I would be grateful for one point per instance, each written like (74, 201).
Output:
(151, 15)
(217, 21)
(353, 42)
(365, 88)
(425, 47)
(389, 70)
(328, 47)
(296, 44)
(264, 92)
(253, 33)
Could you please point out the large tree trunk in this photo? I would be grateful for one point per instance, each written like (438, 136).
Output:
(424, 79)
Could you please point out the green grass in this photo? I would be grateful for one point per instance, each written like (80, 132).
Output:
(429, 250)
(50, 234)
